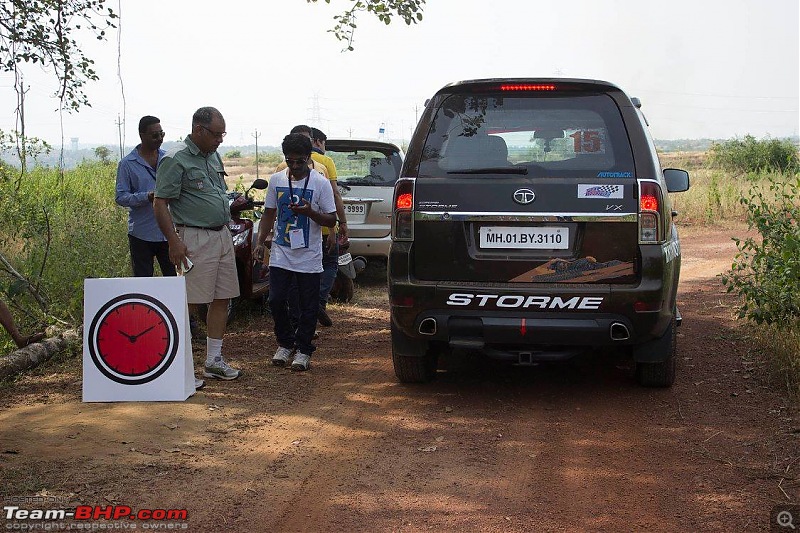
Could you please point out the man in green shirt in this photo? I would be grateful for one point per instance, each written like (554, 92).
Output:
(191, 208)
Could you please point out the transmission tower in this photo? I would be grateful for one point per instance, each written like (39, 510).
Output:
(315, 111)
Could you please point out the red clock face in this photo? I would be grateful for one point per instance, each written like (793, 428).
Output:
(133, 339)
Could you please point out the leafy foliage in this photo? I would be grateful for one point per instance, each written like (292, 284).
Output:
(34, 147)
(766, 273)
(103, 153)
(409, 10)
(57, 230)
(233, 154)
(752, 155)
(42, 32)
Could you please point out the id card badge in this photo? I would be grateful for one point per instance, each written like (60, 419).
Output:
(296, 239)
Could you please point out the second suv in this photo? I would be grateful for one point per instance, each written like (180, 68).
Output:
(367, 171)
(531, 221)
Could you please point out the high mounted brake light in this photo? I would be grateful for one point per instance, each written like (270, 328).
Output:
(528, 87)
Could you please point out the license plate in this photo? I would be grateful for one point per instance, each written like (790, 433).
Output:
(542, 238)
(355, 212)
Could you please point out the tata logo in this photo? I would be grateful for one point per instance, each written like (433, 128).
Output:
(524, 196)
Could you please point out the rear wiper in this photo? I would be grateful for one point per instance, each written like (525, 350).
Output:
(491, 170)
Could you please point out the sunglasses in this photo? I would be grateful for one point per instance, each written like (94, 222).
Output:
(295, 162)
(158, 134)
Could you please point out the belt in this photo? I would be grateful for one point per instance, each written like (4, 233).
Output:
(213, 228)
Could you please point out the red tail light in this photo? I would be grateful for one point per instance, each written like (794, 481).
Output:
(648, 203)
(649, 212)
(404, 201)
(403, 217)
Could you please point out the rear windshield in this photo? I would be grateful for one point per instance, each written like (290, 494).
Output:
(366, 167)
(539, 135)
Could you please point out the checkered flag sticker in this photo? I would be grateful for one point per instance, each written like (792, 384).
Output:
(600, 191)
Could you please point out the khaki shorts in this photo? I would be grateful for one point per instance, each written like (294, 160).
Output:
(213, 276)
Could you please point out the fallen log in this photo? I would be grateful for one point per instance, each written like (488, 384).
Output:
(35, 354)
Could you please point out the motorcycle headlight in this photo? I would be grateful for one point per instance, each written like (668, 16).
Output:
(241, 238)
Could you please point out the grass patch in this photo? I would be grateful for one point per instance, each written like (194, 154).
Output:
(780, 347)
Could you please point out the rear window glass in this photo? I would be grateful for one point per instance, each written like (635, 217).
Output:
(366, 167)
(552, 135)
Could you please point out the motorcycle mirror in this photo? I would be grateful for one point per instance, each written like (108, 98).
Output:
(259, 184)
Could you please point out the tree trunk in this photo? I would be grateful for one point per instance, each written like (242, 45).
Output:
(34, 354)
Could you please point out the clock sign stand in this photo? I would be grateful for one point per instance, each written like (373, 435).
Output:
(136, 340)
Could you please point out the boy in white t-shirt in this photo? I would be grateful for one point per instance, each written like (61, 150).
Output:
(299, 202)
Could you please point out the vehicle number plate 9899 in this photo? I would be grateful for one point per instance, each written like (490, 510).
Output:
(541, 238)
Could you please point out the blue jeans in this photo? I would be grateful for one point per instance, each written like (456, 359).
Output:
(280, 281)
(330, 266)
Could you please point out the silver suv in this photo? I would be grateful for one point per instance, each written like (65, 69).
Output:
(367, 171)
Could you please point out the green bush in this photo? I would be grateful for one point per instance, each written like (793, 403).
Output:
(233, 154)
(87, 234)
(766, 272)
(752, 155)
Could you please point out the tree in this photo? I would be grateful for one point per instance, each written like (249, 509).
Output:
(102, 153)
(409, 10)
(42, 31)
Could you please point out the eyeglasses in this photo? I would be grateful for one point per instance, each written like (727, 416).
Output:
(158, 134)
(295, 162)
(218, 134)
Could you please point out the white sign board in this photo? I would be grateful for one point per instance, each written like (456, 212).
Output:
(136, 340)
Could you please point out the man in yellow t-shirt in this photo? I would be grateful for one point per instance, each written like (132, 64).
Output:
(330, 246)
(330, 257)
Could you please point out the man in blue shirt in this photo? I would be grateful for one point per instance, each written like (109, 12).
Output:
(136, 182)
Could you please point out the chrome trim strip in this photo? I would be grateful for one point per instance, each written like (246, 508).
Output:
(519, 217)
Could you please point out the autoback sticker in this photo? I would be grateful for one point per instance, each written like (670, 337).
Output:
(601, 191)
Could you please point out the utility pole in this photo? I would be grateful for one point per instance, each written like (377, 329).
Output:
(350, 132)
(119, 124)
(256, 135)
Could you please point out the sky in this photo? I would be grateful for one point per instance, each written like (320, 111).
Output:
(702, 68)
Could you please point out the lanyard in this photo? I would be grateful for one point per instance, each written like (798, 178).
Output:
(291, 192)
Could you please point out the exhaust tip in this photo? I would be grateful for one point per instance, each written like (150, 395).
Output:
(427, 326)
(619, 332)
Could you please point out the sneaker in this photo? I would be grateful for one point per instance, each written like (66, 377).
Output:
(301, 361)
(282, 356)
(222, 370)
(323, 318)
(199, 384)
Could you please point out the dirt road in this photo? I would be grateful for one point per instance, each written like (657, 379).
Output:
(346, 448)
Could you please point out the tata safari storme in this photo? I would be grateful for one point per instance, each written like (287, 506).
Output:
(532, 222)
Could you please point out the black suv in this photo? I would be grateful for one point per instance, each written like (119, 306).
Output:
(531, 222)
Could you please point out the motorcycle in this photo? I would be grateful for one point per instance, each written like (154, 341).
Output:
(253, 275)
(349, 268)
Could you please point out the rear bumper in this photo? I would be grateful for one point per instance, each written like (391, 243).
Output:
(480, 332)
(370, 246)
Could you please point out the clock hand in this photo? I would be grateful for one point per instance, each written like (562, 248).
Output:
(134, 337)
(131, 338)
